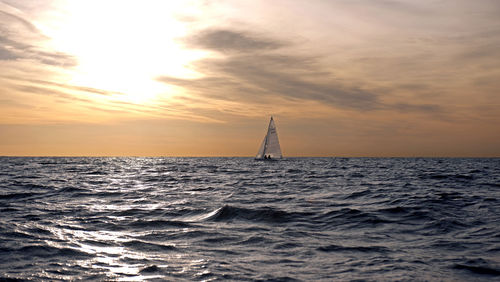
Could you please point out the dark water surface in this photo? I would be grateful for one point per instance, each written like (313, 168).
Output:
(238, 219)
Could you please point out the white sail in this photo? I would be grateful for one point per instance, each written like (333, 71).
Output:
(270, 147)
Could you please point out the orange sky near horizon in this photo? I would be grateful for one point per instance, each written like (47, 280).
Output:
(201, 78)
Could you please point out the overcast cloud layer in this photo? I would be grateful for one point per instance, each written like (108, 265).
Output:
(368, 76)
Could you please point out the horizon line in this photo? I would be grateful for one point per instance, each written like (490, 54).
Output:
(201, 156)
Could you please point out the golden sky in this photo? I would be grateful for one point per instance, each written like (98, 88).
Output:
(202, 78)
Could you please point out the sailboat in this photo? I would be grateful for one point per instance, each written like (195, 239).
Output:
(270, 147)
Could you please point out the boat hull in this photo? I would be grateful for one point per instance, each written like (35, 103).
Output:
(267, 160)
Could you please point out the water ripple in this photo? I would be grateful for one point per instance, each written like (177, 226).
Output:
(300, 219)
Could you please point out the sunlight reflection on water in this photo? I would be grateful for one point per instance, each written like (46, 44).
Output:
(111, 255)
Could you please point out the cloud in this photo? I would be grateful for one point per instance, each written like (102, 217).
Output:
(428, 108)
(6, 54)
(20, 39)
(258, 78)
(261, 70)
(19, 22)
(258, 70)
(224, 40)
(480, 55)
(75, 87)
(13, 103)
(31, 89)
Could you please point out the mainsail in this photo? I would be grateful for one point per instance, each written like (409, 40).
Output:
(270, 147)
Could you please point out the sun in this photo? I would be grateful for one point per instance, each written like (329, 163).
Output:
(122, 46)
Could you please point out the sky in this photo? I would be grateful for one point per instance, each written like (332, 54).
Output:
(351, 78)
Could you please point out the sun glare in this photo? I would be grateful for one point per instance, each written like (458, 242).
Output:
(122, 46)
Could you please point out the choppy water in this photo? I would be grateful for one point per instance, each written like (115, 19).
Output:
(238, 219)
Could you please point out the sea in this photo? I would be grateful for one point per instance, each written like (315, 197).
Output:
(239, 219)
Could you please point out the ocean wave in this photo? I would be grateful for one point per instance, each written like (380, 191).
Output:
(45, 251)
(185, 219)
(157, 223)
(362, 249)
(478, 266)
(265, 214)
(148, 246)
(17, 196)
